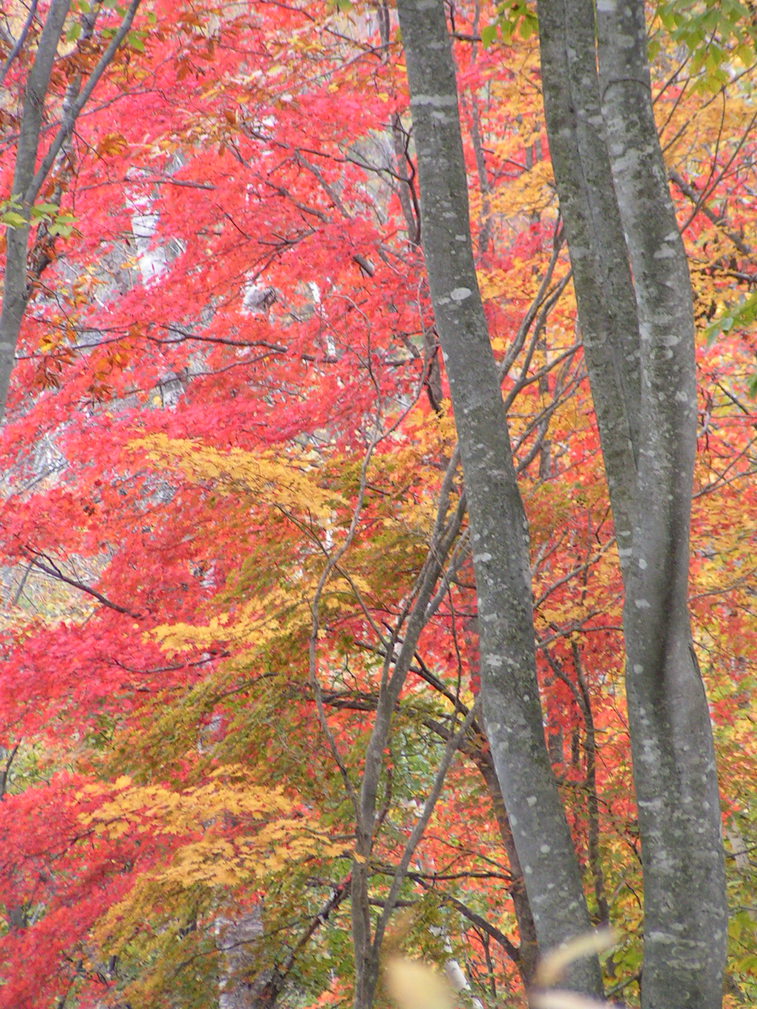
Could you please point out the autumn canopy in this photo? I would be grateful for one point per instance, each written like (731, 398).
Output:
(317, 652)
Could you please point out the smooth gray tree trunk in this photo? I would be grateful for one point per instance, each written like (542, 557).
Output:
(601, 271)
(606, 154)
(512, 707)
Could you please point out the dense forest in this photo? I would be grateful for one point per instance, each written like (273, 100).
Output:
(377, 391)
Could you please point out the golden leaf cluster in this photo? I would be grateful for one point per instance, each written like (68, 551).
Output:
(229, 832)
(288, 483)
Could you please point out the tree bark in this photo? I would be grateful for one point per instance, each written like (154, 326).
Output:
(674, 763)
(29, 177)
(528, 948)
(601, 272)
(512, 708)
(16, 291)
(608, 155)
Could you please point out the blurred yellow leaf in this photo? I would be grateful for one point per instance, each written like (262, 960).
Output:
(415, 985)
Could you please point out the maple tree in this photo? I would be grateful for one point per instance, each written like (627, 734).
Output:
(240, 695)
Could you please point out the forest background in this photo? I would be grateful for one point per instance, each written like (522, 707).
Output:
(237, 577)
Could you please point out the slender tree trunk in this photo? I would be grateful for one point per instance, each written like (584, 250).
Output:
(368, 933)
(31, 172)
(528, 949)
(512, 708)
(16, 290)
(643, 383)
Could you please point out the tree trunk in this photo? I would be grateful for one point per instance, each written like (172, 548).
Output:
(16, 290)
(674, 767)
(512, 708)
(528, 948)
(31, 173)
(601, 272)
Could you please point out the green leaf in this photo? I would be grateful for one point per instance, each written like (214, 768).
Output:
(488, 35)
(740, 316)
(63, 225)
(13, 219)
(527, 28)
(44, 210)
